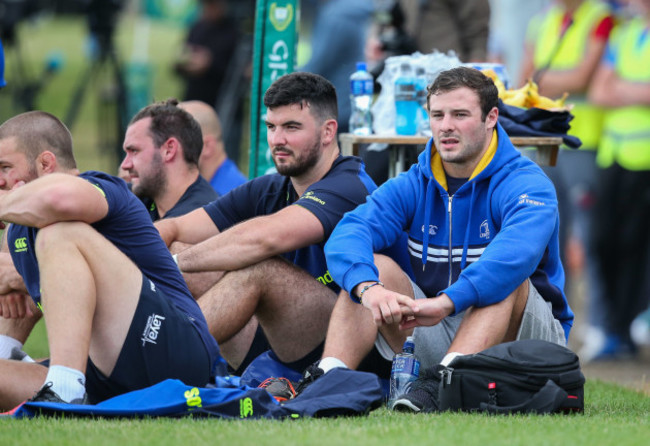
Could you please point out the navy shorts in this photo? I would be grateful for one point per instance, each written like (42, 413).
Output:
(374, 362)
(162, 343)
(261, 344)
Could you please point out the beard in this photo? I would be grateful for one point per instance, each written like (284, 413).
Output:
(153, 184)
(468, 153)
(303, 163)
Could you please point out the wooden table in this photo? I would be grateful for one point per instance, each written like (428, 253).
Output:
(546, 147)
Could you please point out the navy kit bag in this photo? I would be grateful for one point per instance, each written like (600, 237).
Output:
(340, 392)
(526, 376)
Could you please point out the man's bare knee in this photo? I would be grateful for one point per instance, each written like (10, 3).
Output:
(61, 232)
(264, 275)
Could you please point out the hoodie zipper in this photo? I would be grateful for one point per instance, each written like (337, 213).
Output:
(451, 258)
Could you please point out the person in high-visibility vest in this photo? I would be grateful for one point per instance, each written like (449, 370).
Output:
(564, 45)
(621, 234)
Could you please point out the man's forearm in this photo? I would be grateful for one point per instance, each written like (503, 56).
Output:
(226, 251)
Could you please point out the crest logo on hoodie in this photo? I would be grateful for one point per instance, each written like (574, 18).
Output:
(433, 229)
(484, 230)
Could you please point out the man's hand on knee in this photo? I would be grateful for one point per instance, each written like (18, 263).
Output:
(431, 311)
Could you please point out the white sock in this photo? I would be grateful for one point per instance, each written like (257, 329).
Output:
(68, 383)
(449, 357)
(7, 344)
(329, 363)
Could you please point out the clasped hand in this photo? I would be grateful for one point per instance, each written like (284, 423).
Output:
(389, 307)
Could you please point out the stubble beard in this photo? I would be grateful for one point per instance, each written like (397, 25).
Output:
(466, 154)
(301, 165)
(153, 185)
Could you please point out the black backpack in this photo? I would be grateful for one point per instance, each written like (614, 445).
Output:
(527, 376)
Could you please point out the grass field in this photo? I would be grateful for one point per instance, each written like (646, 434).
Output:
(613, 416)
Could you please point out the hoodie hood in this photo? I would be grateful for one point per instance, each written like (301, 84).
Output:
(499, 153)
(491, 162)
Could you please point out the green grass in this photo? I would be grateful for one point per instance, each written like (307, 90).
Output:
(613, 416)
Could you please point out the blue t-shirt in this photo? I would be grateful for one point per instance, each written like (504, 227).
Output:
(128, 226)
(198, 194)
(2, 66)
(342, 189)
(227, 177)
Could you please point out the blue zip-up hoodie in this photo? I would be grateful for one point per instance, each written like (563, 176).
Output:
(497, 230)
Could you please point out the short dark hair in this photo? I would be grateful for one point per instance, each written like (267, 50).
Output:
(304, 88)
(471, 78)
(169, 120)
(38, 131)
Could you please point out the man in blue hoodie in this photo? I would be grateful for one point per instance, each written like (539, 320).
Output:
(482, 222)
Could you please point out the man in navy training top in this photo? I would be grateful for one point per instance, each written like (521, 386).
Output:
(215, 166)
(163, 145)
(482, 222)
(265, 238)
(119, 316)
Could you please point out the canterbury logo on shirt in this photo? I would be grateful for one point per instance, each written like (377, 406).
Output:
(20, 244)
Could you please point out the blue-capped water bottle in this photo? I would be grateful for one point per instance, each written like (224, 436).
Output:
(421, 97)
(361, 91)
(406, 101)
(405, 370)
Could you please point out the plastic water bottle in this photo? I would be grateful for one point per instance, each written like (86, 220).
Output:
(421, 97)
(361, 91)
(405, 370)
(406, 102)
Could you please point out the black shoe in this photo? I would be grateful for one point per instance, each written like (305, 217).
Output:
(280, 388)
(47, 395)
(17, 354)
(423, 395)
(311, 374)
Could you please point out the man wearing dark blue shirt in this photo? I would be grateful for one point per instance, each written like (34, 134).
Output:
(214, 164)
(118, 313)
(266, 237)
(163, 144)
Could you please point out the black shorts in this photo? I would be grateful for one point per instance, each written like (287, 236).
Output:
(261, 344)
(162, 343)
(375, 363)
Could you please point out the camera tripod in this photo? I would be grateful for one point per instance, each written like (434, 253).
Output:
(23, 89)
(105, 72)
